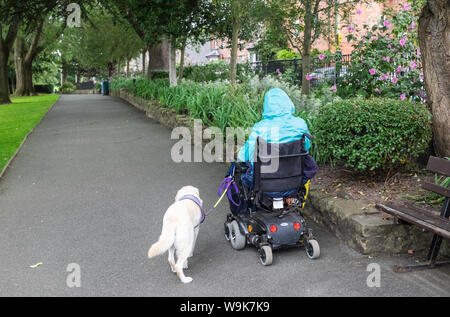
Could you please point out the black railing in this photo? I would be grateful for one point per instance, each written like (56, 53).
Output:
(328, 69)
(85, 86)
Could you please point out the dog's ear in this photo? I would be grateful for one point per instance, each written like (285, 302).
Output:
(178, 195)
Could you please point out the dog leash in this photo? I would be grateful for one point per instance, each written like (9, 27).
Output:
(223, 189)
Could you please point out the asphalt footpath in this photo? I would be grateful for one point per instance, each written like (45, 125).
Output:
(84, 199)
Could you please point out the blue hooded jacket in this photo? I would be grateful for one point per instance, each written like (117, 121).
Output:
(279, 125)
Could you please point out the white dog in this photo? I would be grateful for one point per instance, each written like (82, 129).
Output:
(180, 230)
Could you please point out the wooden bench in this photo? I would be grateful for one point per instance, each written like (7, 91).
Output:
(439, 225)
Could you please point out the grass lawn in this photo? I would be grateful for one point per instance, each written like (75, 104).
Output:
(17, 119)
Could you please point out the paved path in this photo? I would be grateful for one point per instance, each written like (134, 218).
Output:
(90, 186)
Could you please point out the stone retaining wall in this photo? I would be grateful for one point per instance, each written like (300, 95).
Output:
(361, 227)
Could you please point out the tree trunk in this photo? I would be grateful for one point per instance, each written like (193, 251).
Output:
(24, 86)
(63, 71)
(110, 69)
(158, 57)
(306, 55)
(434, 41)
(5, 46)
(128, 68)
(236, 26)
(23, 61)
(180, 72)
(144, 53)
(172, 62)
(4, 87)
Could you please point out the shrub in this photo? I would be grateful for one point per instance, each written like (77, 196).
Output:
(286, 54)
(386, 59)
(159, 73)
(68, 87)
(215, 103)
(213, 71)
(45, 89)
(370, 135)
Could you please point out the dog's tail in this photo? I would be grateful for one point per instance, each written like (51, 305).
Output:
(166, 240)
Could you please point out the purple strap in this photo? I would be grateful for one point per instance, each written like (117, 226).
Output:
(195, 200)
(227, 182)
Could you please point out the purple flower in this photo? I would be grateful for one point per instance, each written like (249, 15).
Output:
(402, 96)
(405, 6)
(372, 71)
(350, 29)
(278, 71)
(386, 23)
(308, 77)
(358, 11)
(413, 25)
(378, 90)
(394, 80)
(374, 38)
(421, 75)
(333, 88)
(389, 45)
(321, 57)
(403, 41)
(413, 65)
(418, 52)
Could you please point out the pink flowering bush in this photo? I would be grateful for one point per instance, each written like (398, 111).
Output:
(386, 59)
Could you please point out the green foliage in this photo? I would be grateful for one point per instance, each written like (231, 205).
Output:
(68, 87)
(215, 71)
(159, 73)
(386, 61)
(219, 70)
(17, 119)
(370, 135)
(215, 103)
(45, 89)
(287, 54)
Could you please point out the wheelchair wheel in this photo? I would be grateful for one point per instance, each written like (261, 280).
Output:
(265, 255)
(312, 249)
(237, 239)
(227, 228)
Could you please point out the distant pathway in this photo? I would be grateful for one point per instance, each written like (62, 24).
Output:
(90, 186)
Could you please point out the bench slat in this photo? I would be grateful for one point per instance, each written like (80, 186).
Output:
(439, 165)
(436, 189)
(426, 221)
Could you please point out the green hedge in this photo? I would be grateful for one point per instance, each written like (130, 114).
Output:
(68, 87)
(372, 134)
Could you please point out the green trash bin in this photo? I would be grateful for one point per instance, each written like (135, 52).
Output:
(105, 88)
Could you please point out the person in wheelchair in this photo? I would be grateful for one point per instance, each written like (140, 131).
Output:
(280, 127)
(272, 180)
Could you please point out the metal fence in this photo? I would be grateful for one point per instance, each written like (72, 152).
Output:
(85, 86)
(328, 69)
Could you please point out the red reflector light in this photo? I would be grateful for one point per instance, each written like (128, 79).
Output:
(273, 228)
(297, 226)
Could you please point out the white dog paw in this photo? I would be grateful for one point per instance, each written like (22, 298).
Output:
(187, 280)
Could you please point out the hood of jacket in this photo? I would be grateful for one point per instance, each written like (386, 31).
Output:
(277, 104)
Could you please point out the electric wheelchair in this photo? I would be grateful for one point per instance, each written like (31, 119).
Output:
(268, 216)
